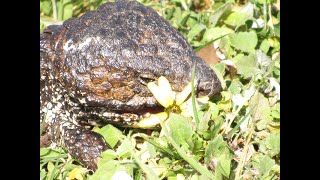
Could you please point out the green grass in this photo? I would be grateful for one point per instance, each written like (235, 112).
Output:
(236, 136)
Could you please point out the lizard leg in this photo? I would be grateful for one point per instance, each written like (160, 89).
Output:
(84, 145)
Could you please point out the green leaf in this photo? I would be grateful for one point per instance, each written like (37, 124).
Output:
(124, 150)
(214, 33)
(44, 151)
(184, 17)
(271, 144)
(275, 43)
(228, 50)
(152, 150)
(214, 18)
(237, 19)
(70, 167)
(265, 46)
(105, 170)
(235, 87)
(43, 174)
(169, 13)
(182, 152)
(277, 30)
(221, 68)
(191, 22)
(260, 110)
(47, 154)
(195, 177)
(275, 111)
(276, 168)
(216, 148)
(275, 114)
(203, 124)
(225, 104)
(175, 21)
(195, 30)
(266, 164)
(247, 66)
(160, 143)
(224, 165)
(67, 9)
(217, 127)
(138, 175)
(198, 144)
(244, 41)
(165, 162)
(50, 167)
(180, 130)
(46, 7)
(109, 154)
(213, 110)
(52, 171)
(111, 134)
(238, 57)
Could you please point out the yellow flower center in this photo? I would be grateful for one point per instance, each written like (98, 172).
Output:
(173, 109)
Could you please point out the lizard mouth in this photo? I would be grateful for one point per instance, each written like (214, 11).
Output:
(118, 118)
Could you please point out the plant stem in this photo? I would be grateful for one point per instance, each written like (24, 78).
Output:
(54, 8)
(270, 17)
(243, 156)
(265, 14)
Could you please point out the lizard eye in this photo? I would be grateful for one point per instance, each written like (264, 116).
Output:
(145, 81)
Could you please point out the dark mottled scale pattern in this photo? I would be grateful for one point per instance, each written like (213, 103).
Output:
(101, 62)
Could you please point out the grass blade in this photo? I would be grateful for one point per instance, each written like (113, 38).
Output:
(239, 124)
(202, 46)
(196, 118)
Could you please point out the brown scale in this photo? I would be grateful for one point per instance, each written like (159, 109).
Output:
(102, 62)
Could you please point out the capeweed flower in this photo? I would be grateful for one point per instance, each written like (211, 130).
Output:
(172, 102)
(77, 173)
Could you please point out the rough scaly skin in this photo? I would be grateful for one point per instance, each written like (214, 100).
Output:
(94, 70)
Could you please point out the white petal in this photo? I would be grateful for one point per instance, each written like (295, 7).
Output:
(161, 96)
(153, 120)
(182, 96)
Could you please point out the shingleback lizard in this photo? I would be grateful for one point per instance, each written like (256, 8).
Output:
(94, 70)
